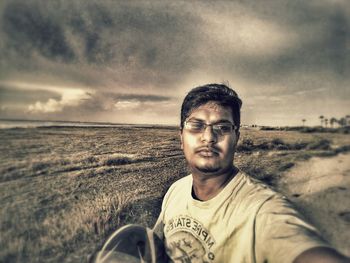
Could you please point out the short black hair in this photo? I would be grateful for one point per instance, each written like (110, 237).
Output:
(219, 93)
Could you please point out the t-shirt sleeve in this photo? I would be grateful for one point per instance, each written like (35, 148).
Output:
(282, 233)
(158, 228)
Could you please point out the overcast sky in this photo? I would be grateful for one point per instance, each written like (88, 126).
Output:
(134, 61)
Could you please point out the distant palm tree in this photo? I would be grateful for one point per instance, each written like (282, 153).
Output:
(303, 120)
(332, 121)
(325, 122)
(342, 122)
(321, 118)
(347, 117)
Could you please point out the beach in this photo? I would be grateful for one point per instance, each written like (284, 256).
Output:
(320, 187)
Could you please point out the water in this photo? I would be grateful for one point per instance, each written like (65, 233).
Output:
(8, 124)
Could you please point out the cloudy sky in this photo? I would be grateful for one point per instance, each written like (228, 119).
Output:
(134, 61)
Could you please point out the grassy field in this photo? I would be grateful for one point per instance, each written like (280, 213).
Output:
(63, 190)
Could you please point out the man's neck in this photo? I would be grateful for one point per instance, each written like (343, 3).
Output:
(206, 187)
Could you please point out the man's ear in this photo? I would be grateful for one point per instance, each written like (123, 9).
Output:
(182, 145)
(237, 137)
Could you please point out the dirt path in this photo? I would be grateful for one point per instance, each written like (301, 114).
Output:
(320, 188)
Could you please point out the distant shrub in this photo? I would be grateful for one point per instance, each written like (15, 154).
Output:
(308, 129)
(118, 161)
(268, 128)
(264, 146)
(64, 162)
(90, 160)
(248, 145)
(323, 144)
(282, 147)
(40, 166)
(341, 149)
(326, 153)
(72, 168)
(298, 146)
(344, 130)
(245, 146)
(277, 141)
(286, 166)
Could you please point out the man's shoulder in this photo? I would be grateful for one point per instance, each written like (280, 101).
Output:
(181, 184)
(255, 192)
(184, 180)
(265, 198)
(178, 189)
(255, 186)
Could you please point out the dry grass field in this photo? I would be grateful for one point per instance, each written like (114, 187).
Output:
(63, 190)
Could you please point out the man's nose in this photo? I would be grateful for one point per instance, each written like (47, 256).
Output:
(209, 135)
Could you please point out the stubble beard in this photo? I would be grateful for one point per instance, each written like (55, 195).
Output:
(212, 168)
(208, 170)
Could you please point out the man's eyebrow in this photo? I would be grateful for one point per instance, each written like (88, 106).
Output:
(195, 119)
(223, 121)
(218, 121)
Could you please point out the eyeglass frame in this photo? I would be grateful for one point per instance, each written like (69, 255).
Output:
(234, 127)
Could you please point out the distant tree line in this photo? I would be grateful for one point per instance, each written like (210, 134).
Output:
(342, 122)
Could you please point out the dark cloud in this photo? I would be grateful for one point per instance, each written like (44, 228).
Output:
(338, 40)
(142, 98)
(322, 32)
(10, 95)
(28, 27)
(154, 43)
(138, 42)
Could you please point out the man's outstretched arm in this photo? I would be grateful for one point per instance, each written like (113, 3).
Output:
(321, 255)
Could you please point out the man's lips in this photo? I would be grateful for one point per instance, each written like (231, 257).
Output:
(207, 151)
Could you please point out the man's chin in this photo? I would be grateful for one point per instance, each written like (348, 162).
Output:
(208, 169)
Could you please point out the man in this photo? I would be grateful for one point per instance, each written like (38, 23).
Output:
(218, 213)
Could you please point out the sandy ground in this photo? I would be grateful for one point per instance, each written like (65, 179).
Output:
(320, 188)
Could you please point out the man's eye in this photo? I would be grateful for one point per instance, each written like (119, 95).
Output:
(225, 128)
(197, 126)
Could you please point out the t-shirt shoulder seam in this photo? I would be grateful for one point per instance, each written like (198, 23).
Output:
(263, 188)
(172, 189)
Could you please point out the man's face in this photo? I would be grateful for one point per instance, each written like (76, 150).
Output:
(209, 152)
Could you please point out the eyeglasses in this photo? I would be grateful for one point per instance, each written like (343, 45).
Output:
(221, 128)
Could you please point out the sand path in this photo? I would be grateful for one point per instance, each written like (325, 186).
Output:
(320, 188)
